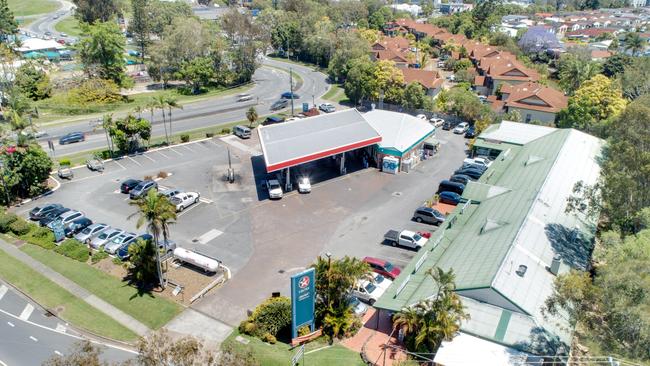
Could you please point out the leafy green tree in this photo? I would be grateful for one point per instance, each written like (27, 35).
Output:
(358, 82)
(429, 322)
(91, 11)
(389, 80)
(26, 169)
(463, 64)
(574, 70)
(635, 80)
(162, 14)
(634, 43)
(463, 103)
(379, 18)
(101, 50)
(251, 116)
(126, 131)
(615, 64)
(596, 103)
(8, 25)
(33, 82)
(197, 73)
(157, 213)
(140, 25)
(415, 96)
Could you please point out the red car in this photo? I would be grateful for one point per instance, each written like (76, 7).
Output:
(424, 234)
(383, 267)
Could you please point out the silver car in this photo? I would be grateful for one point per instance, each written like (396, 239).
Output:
(105, 237)
(67, 218)
(118, 242)
(90, 232)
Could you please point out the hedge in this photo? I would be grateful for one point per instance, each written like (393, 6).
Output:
(20, 227)
(41, 236)
(6, 219)
(73, 249)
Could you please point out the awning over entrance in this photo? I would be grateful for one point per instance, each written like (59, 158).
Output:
(292, 143)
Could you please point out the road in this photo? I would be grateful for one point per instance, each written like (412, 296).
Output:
(28, 337)
(46, 22)
(271, 80)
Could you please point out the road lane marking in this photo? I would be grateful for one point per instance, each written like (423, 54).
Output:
(210, 235)
(27, 311)
(145, 155)
(33, 338)
(3, 291)
(133, 160)
(11, 324)
(61, 328)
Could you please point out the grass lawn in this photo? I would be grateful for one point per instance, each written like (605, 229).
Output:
(69, 25)
(31, 7)
(51, 296)
(280, 354)
(148, 309)
(336, 94)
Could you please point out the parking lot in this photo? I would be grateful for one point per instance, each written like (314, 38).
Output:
(263, 242)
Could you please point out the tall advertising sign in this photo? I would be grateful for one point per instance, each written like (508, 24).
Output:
(303, 300)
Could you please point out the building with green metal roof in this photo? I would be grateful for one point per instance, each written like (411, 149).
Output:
(511, 237)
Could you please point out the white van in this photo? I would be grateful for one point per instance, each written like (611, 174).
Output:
(242, 131)
(244, 97)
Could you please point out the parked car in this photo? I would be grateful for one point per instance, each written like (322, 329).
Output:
(64, 172)
(123, 252)
(184, 200)
(244, 97)
(447, 185)
(422, 117)
(437, 122)
(52, 215)
(478, 161)
(481, 168)
(39, 212)
(95, 164)
(72, 138)
(76, 226)
(272, 120)
(460, 178)
(360, 309)
(405, 238)
(142, 188)
(274, 188)
(327, 107)
(461, 128)
(451, 198)
(470, 172)
(169, 193)
(66, 218)
(470, 133)
(105, 237)
(371, 291)
(118, 241)
(384, 268)
(428, 215)
(129, 184)
(90, 232)
(290, 95)
(282, 103)
(242, 132)
(304, 185)
(448, 125)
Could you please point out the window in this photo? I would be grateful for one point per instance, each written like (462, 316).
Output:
(528, 117)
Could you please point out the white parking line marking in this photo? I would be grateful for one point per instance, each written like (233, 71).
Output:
(133, 160)
(121, 166)
(3, 291)
(187, 209)
(187, 148)
(210, 235)
(175, 151)
(58, 353)
(117, 191)
(11, 324)
(33, 338)
(145, 155)
(27, 311)
(205, 200)
(61, 328)
(161, 153)
(2, 363)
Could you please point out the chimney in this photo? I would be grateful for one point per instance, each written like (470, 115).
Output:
(555, 265)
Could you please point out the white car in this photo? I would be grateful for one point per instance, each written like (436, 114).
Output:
(422, 117)
(184, 200)
(327, 107)
(437, 122)
(304, 185)
(461, 128)
(478, 161)
(371, 291)
(66, 218)
(274, 187)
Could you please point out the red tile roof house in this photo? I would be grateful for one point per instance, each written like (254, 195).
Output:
(394, 49)
(505, 71)
(430, 80)
(533, 101)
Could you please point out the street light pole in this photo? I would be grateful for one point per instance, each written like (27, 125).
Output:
(291, 88)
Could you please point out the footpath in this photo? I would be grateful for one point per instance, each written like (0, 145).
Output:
(101, 305)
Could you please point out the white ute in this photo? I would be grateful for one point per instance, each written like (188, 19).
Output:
(275, 190)
(184, 200)
(371, 291)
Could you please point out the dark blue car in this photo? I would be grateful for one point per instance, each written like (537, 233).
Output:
(76, 226)
(290, 95)
(71, 138)
(449, 197)
(123, 251)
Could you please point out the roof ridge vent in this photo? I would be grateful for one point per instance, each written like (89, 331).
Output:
(532, 159)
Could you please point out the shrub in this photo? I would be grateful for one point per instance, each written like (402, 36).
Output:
(95, 91)
(7, 219)
(73, 249)
(269, 338)
(304, 330)
(148, 177)
(162, 174)
(41, 236)
(98, 256)
(117, 261)
(225, 130)
(273, 315)
(185, 137)
(248, 327)
(20, 227)
(209, 134)
(63, 162)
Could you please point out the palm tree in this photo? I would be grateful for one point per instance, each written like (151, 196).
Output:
(251, 116)
(18, 125)
(107, 122)
(634, 43)
(157, 213)
(171, 102)
(159, 101)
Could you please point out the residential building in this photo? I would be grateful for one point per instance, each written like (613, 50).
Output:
(430, 80)
(533, 102)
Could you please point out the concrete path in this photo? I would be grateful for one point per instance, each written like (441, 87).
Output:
(197, 324)
(101, 305)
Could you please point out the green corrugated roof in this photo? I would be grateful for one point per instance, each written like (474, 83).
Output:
(480, 237)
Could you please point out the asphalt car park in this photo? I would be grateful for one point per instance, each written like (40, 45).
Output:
(263, 241)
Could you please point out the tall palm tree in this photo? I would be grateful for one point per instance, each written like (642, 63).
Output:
(171, 102)
(251, 116)
(634, 43)
(157, 213)
(160, 103)
(107, 122)
(18, 125)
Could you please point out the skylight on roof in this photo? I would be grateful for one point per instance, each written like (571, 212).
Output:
(532, 159)
(491, 225)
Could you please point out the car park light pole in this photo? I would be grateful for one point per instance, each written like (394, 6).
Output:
(291, 88)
